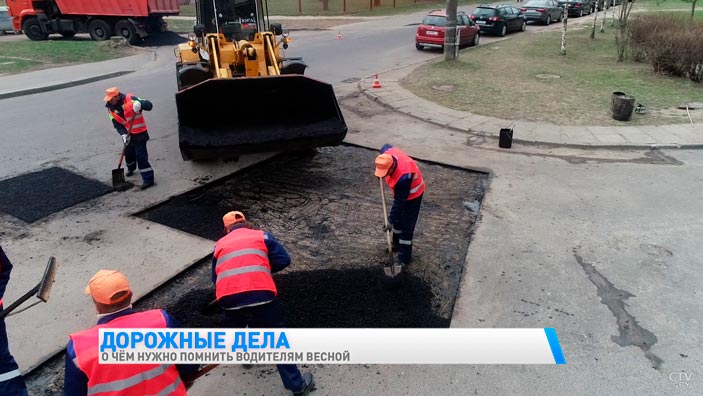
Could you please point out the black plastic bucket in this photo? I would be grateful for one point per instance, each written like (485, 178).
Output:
(505, 139)
(622, 105)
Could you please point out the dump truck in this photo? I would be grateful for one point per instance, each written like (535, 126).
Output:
(238, 93)
(131, 19)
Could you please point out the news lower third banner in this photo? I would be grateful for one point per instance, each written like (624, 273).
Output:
(333, 346)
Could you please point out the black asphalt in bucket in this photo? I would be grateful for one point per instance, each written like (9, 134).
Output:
(505, 138)
(33, 196)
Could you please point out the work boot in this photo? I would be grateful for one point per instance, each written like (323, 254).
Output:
(146, 185)
(130, 173)
(308, 385)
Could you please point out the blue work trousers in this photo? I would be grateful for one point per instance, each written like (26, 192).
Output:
(405, 217)
(11, 382)
(136, 156)
(269, 315)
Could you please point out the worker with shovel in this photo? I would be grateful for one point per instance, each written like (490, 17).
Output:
(126, 115)
(112, 297)
(241, 270)
(405, 179)
(11, 381)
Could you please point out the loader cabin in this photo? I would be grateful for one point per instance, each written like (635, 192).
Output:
(236, 19)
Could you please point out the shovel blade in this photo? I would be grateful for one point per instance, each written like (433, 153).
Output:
(118, 180)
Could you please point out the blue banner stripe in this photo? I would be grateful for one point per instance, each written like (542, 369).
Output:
(554, 345)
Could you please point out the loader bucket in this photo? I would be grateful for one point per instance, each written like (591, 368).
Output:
(233, 116)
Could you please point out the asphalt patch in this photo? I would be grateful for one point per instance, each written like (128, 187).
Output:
(33, 196)
(325, 208)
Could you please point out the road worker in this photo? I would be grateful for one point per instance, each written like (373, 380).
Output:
(126, 111)
(112, 297)
(11, 381)
(241, 270)
(405, 179)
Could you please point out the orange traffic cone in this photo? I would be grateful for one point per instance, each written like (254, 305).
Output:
(376, 83)
(339, 36)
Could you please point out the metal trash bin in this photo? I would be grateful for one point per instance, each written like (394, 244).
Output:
(622, 106)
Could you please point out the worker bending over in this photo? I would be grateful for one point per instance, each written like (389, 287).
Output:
(405, 179)
(241, 270)
(84, 376)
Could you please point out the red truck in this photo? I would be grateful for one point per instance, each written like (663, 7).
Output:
(131, 19)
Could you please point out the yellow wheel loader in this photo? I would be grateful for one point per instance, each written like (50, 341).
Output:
(238, 94)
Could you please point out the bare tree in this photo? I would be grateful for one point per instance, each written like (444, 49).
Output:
(621, 36)
(605, 15)
(450, 43)
(563, 29)
(595, 20)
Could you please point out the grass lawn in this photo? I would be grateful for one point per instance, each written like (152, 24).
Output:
(24, 55)
(501, 79)
(659, 5)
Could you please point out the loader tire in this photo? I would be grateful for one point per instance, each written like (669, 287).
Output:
(99, 30)
(32, 29)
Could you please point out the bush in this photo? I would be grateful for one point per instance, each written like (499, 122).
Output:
(671, 44)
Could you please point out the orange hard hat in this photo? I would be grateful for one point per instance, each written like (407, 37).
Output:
(111, 93)
(105, 284)
(233, 218)
(383, 164)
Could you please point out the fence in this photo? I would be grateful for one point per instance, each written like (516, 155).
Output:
(335, 7)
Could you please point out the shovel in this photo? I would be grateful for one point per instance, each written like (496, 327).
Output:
(118, 179)
(41, 290)
(391, 270)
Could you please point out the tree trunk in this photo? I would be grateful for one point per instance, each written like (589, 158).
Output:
(693, 8)
(450, 43)
(325, 5)
(595, 20)
(605, 15)
(563, 30)
(621, 37)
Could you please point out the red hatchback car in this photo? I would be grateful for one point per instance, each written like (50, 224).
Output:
(430, 33)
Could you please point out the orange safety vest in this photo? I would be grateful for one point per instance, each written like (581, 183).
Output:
(125, 379)
(406, 165)
(138, 124)
(242, 263)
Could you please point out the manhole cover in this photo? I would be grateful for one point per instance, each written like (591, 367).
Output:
(33, 196)
(351, 80)
(325, 208)
(445, 88)
(548, 76)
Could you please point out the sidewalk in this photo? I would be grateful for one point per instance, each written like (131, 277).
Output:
(68, 76)
(395, 97)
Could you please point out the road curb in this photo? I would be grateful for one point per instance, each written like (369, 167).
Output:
(68, 84)
(365, 82)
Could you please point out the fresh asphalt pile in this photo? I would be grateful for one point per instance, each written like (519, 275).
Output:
(324, 206)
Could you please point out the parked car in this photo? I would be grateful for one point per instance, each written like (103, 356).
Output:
(578, 8)
(499, 19)
(543, 11)
(430, 33)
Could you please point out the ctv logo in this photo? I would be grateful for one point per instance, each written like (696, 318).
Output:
(681, 379)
